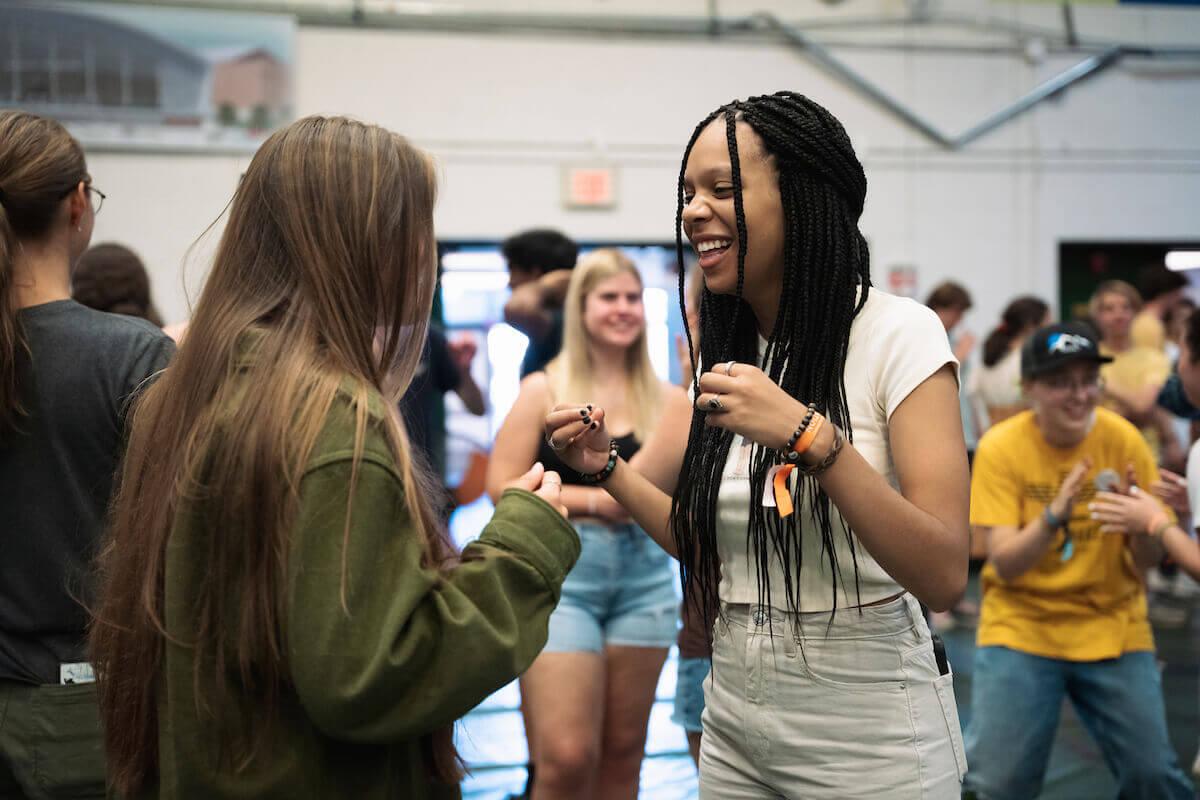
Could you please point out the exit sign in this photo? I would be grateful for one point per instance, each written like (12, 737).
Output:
(589, 187)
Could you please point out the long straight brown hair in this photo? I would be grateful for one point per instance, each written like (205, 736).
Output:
(40, 163)
(325, 272)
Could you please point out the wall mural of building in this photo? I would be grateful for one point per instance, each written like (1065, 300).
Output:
(125, 76)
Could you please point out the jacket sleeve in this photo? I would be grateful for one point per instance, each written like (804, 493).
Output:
(382, 648)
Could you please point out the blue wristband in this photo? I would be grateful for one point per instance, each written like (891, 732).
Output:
(1054, 522)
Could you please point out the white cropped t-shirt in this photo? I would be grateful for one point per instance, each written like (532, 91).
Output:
(999, 384)
(895, 344)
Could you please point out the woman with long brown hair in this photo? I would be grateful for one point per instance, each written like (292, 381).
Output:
(67, 374)
(280, 615)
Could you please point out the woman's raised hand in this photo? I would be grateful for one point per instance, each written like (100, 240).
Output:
(743, 399)
(546, 485)
(578, 435)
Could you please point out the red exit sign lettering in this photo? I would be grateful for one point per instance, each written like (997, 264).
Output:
(589, 187)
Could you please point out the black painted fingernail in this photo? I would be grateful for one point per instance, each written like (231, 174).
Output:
(589, 408)
(583, 413)
(595, 425)
(587, 420)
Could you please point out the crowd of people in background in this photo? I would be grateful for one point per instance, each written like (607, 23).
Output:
(1072, 505)
(225, 569)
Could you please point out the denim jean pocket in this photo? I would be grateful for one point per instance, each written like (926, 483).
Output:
(68, 753)
(870, 665)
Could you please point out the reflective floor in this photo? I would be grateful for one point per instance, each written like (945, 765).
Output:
(492, 741)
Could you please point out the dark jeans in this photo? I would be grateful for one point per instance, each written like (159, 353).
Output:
(1015, 703)
(51, 746)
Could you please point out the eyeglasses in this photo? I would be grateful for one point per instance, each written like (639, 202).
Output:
(1062, 385)
(97, 204)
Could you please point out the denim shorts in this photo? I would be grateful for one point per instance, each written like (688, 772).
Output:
(622, 591)
(689, 693)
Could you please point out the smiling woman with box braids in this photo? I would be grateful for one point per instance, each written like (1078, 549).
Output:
(823, 187)
(803, 366)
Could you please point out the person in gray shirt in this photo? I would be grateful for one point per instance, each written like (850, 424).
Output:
(68, 375)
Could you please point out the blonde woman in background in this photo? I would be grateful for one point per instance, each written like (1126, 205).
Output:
(1137, 373)
(589, 694)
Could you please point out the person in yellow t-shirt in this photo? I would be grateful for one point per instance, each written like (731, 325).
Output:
(1064, 608)
(1136, 374)
(1139, 513)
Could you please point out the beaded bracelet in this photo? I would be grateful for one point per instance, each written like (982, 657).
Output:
(806, 441)
(614, 452)
(825, 463)
(787, 454)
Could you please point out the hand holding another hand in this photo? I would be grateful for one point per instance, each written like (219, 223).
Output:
(1137, 513)
(546, 485)
(578, 435)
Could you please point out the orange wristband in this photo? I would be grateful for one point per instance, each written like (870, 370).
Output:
(810, 436)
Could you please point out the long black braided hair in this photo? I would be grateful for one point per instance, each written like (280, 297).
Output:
(826, 280)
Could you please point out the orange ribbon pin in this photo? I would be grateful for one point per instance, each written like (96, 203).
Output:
(783, 497)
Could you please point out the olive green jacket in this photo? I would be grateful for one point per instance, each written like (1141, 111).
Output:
(416, 651)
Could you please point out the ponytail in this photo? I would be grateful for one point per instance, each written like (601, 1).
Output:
(1020, 316)
(997, 344)
(40, 164)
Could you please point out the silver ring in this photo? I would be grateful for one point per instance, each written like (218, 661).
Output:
(550, 442)
(729, 368)
(714, 404)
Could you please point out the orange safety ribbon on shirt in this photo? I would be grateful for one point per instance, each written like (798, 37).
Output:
(783, 498)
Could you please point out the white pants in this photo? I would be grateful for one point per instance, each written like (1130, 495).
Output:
(855, 709)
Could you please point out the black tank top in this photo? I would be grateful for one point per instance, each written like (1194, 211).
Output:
(550, 460)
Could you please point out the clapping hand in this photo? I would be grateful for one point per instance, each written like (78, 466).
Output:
(1064, 501)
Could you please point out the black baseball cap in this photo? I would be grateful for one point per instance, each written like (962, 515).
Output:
(1054, 346)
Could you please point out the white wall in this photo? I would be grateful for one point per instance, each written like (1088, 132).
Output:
(1115, 158)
